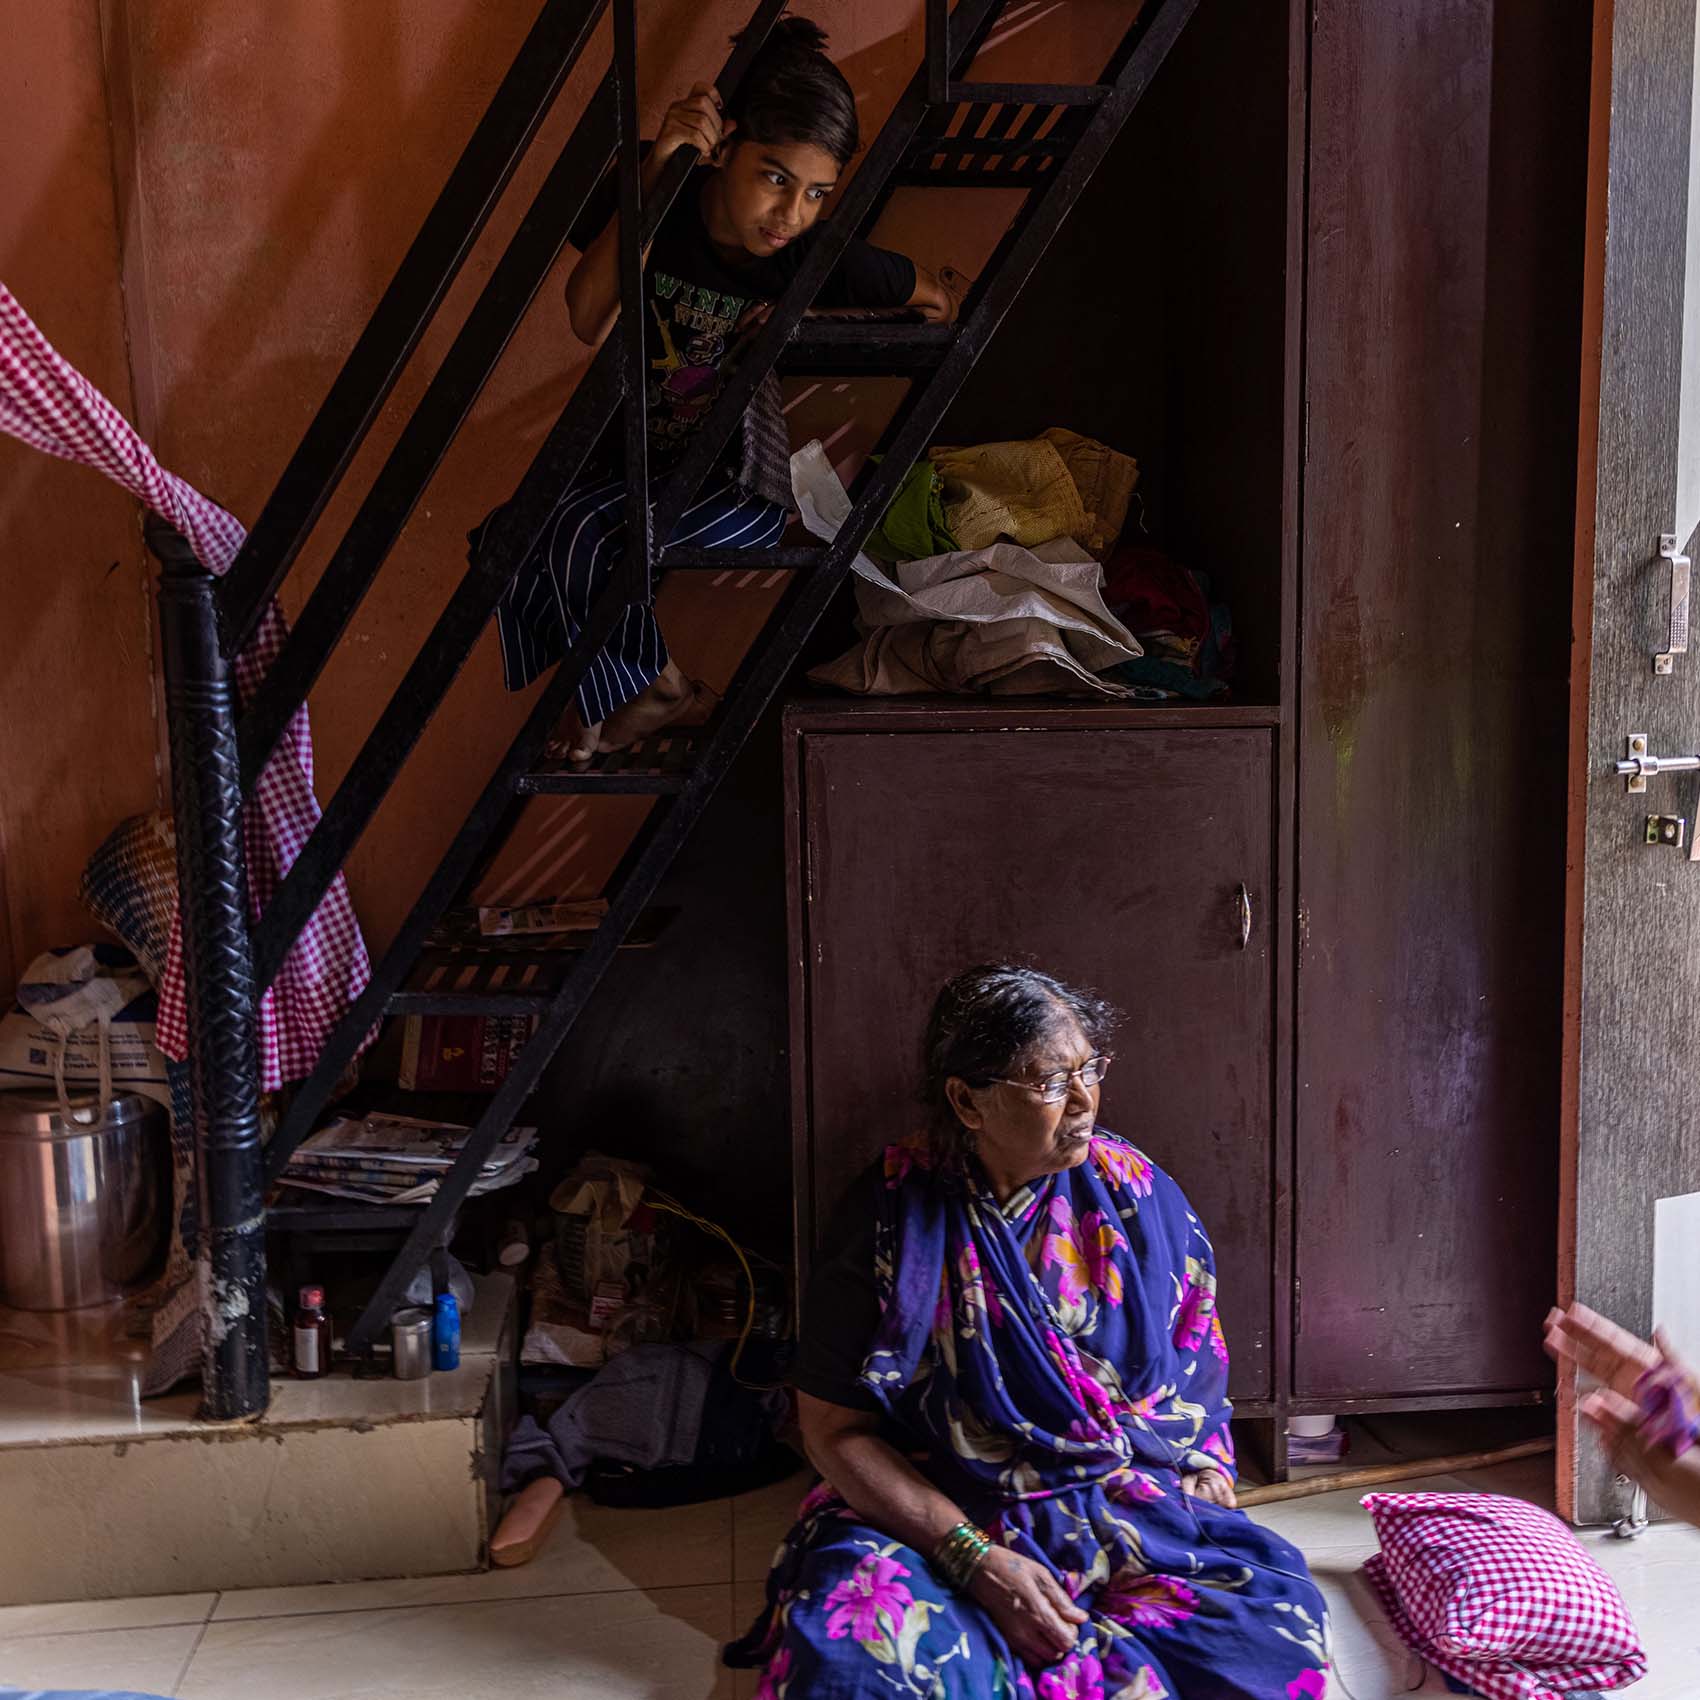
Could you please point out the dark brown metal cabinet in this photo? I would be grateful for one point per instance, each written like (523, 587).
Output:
(1116, 848)
(1340, 330)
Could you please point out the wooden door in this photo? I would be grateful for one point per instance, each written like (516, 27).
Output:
(1110, 858)
(1633, 970)
(1442, 310)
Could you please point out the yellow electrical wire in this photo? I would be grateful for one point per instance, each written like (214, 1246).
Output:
(661, 1201)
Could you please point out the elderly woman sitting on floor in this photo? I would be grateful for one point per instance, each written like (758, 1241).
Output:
(1013, 1382)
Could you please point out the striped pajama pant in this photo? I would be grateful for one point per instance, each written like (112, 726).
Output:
(549, 599)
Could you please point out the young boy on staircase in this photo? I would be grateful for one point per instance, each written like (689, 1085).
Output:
(734, 238)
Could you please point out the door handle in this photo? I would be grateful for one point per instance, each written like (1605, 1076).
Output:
(1242, 908)
(1638, 765)
(1677, 642)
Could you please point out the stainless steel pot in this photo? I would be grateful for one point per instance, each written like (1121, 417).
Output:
(83, 1204)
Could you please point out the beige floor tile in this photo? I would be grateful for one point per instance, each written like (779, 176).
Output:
(1369, 1657)
(147, 1660)
(81, 1402)
(93, 1403)
(154, 1612)
(1327, 1521)
(760, 1520)
(594, 1549)
(747, 1600)
(1533, 1479)
(60, 1400)
(662, 1645)
(1658, 1575)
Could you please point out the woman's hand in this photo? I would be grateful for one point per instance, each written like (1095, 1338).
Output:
(1211, 1485)
(1611, 1355)
(693, 122)
(1028, 1604)
(935, 303)
(593, 286)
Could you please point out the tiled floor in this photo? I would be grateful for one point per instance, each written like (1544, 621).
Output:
(68, 1377)
(104, 1494)
(633, 1606)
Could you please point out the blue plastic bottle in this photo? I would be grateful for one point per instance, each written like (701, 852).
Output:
(445, 1333)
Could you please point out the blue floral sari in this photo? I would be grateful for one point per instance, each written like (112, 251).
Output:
(1058, 1365)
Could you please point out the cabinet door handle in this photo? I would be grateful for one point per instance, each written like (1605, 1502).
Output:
(1242, 906)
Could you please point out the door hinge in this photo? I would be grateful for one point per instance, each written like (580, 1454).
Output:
(1298, 1304)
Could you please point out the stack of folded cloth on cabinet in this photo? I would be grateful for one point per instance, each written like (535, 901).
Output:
(981, 577)
(987, 575)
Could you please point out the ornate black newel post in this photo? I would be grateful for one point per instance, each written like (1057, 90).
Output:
(218, 970)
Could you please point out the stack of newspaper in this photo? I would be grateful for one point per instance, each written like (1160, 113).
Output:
(385, 1159)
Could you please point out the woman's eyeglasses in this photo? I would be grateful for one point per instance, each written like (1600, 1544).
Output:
(1054, 1087)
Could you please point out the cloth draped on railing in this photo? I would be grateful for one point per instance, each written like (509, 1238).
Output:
(46, 402)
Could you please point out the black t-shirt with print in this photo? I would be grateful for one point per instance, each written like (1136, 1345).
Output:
(694, 297)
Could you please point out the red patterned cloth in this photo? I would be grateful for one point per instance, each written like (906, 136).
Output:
(1500, 1595)
(47, 403)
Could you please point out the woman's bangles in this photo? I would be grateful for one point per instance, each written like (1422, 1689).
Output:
(1670, 1414)
(960, 1555)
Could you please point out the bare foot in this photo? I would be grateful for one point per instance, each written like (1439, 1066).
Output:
(671, 699)
(572, 742)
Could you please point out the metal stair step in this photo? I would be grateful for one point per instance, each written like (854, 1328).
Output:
(657, 767)
(1026, 94)
(739, 560)
(834, 347)
(300, 1210)
(465, 972)
(409, 1002)
(975, 172)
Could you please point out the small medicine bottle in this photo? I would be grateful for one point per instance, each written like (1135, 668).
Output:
(311, 1335)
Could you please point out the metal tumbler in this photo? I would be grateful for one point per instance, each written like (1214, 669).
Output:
(410, 1342)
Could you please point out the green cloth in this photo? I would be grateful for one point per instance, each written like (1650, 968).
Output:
(914, 525)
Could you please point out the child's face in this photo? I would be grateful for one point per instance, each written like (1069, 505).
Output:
(771, 192)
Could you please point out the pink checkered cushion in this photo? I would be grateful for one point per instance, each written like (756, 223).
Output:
(1500, 1595)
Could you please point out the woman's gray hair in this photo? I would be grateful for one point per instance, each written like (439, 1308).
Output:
(984, 1022)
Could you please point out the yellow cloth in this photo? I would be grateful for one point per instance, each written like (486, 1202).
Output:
(1106, 482)
(1034, 491)
(1021, 491)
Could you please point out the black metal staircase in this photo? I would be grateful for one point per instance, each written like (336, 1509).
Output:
(1044, 139)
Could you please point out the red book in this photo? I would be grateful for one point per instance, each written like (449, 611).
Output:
(461, 1053)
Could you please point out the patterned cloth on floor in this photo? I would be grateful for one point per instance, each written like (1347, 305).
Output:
(74, 1694)
(47, 403)
(1499, 1595)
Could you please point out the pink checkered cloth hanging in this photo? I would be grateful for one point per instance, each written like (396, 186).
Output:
(1500, 1595)
(46, 402)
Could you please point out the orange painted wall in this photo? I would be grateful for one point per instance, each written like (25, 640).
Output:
(273, 158)
(77, 735)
